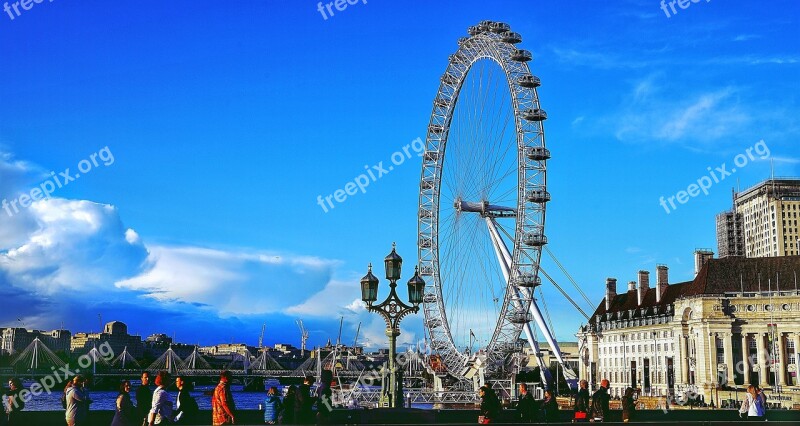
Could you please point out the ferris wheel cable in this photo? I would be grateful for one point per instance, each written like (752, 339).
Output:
(457, 293)
(564, 270)
(492, 143)
(497, 175)
(563, 292)
(500, 179)
(546, 311)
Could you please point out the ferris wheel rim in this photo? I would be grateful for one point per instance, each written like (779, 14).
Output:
(499, 47)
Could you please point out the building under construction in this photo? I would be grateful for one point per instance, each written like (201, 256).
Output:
(763, 221)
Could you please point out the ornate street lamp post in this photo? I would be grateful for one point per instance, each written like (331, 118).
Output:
(392, 310)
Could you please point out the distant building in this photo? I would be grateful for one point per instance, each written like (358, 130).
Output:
(159, 338)
(735, 324)
(116, 334)
(15, 340)
(569, 351)
(286, 349)
(228, 348)
(763, 222)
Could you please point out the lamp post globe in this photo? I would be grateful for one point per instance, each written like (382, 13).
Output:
(393, 310)
(369, 287)
(393, 263)
(416, 288)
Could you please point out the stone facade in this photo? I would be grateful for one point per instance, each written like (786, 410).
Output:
(15, 340)
(737, 323)
(116, 334)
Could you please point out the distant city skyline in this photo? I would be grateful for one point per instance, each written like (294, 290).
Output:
(227, 123)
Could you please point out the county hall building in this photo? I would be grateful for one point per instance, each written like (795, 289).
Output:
(737, 323)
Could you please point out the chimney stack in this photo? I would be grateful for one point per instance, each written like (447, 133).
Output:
(662, 278)
(611, 291)
(701, 257)
(644, 285)
(632, 286)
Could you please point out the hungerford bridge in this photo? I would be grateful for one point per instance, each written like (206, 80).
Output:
(37, 361)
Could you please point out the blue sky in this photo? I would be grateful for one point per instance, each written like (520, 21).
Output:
(226, 120)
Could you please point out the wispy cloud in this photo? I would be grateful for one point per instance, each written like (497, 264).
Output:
(597, 59)
(746, 37)
(650, 59)
(753, 60)
(648, 114)
(786, 160)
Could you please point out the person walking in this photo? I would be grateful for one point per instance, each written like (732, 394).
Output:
(490, 405)
(222, 405)
(287, 417)
(272, 406)
(582, 402)
(77, 401)
(303, 403)
(550, 407)
(754, 405)
(324, 400)
(598, 410)
(126, 413)
(186, 410)
(144, 398)
(628, 405)
(526, 405)
(161, 407)
(13, 403)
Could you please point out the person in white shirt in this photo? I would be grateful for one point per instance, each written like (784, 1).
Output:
(161, 409)
(754, 404)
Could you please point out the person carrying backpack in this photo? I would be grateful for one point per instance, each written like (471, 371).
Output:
(599, 407)
(754, 405)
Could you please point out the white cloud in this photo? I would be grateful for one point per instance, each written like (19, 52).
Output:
(78, 246)
(71, 259)
(649, 114)
(229, 282)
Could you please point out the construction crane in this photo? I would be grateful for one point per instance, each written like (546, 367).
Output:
(337, 348)
(353, 349)
(303, 337)
(261, 338)
(355, 341)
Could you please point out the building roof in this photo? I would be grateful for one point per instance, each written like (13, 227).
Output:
(730, 274)
(780, 186)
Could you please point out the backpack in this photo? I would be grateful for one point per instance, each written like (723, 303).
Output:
(758, 401)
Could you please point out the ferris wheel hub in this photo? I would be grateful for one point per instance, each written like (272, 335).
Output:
(484, 208)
